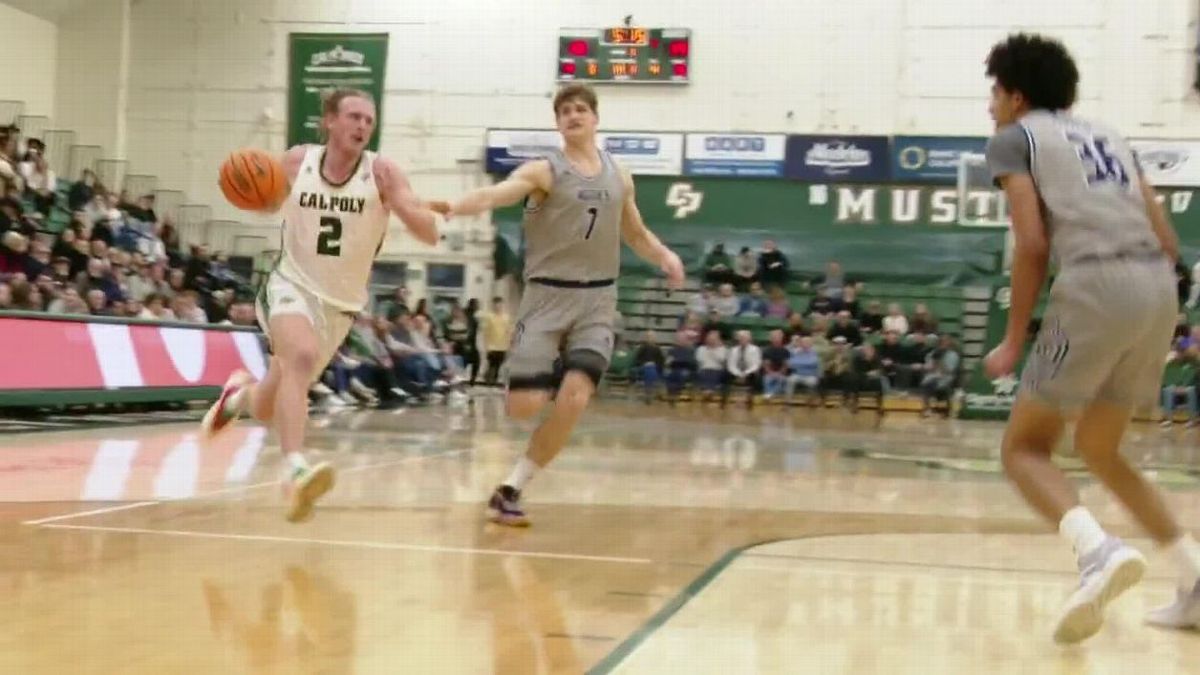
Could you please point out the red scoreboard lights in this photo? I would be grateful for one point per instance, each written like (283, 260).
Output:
(567, 68)
(678, 49)
(578, 48)
(680, 69)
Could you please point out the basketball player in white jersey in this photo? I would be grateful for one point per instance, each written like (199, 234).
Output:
(579, 206)
(1078, 199)
(335, 218)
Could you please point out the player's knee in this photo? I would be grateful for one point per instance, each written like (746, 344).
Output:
(587, 363)
(526, 404)
(575, 392)
(300, 360)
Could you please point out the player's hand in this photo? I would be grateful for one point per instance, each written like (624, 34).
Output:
(441, 206)
(1002, 360)
(672, 266)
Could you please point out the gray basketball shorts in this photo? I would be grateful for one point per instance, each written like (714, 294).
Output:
(554, 321)
(1104, 336)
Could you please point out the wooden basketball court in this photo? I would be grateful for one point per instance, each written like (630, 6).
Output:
(691, 540)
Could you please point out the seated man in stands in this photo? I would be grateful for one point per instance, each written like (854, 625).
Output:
(700, 303)
(804, 367)
(845, 327)
(681, 364)
(1179, 383)
(711, 358)
(796, 326)
(773, 265)
(891, 355)
(726, 304)
(921, 320)
(648, 364)
(97, 303)
(775, 359)
(871, 321)
(821, 305)
(744, 366)
(834, 281)
(753, 304)
(849, 302)
(745, 269)
(941, 375)
(718, 267)
(870, 377)
(837, 371)
(14, 254)
(914, 349)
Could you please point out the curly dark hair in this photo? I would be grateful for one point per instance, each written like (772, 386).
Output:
(1039, 67)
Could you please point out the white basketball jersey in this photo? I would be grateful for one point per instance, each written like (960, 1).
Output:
(332, 233)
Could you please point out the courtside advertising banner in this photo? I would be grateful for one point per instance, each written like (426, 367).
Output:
(931, 159)
(642, 153)
(49, 354)
(823, 159)
(735, 155)
(1169, 163)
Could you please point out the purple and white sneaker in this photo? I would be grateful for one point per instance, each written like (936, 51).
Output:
(1105, 573)
(504, 508)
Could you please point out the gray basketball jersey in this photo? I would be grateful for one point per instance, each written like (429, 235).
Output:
(574, 233)
(1087, 177)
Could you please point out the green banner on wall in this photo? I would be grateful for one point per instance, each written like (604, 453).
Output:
(322, 61)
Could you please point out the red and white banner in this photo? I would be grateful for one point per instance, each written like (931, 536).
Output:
(50, 354)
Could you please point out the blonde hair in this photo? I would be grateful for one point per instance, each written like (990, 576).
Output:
(331, 104)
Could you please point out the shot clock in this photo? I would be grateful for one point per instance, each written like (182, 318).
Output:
(624, 55)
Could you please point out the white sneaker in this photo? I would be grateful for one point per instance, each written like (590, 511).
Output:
(304, 487)
(320, 389)
(349, 399)
(361, 390)
(334, 401)
(1183, 613)
(221, 415)
(1105, 573)
(400, 393)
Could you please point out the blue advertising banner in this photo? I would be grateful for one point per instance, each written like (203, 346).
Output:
(820, 159)
(931, 159)
(741, 155)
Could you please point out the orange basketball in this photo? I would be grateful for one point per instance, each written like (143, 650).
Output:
(253, 180)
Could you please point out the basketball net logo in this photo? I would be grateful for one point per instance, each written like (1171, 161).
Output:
(684, 199)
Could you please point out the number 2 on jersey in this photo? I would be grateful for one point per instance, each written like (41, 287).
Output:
(593, 212)
(329, 242)
(1100, 165)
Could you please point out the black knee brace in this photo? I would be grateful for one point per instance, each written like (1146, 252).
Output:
(590, 363)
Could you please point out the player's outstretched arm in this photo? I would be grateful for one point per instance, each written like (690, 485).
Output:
(528, 177)
(399, 198)
(1160, 221)
(644, 242)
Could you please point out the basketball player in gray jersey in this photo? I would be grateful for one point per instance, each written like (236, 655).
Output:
(1078, 199)
(579, 206)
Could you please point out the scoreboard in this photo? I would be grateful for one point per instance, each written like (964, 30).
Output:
(625, 55)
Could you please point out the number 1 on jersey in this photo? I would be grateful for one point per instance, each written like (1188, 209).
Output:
(593, 212)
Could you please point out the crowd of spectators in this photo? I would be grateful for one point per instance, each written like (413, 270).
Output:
(834, 344)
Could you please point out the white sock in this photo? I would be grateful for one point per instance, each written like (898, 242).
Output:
(296, 460)
(1082, 531)
(1186, 554)
(522, 473)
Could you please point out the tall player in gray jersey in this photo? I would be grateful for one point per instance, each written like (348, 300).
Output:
(579, 206)
(1078, 199)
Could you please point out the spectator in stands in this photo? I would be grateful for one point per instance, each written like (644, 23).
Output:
(397, 304)
(922, 321)
(141, 283)
(97, 302)
(414, 368)
(745, 367)
(699, 303)
(68, 302)
(773, 265)
(186, 306)
(368, 342)
(1192, 338)
(457, 329)
(871, 321)
(82, 191)
(241, 313)
(821, 304)
(869, 377)
(941, 374)
(681, 364)
(778, 306)
(422, 308)
(14, 258)
(497, 334)
(472, 312)
(649, 362)
(834, 281)
(170, 243)
(6, 301)
(837, 370)
(775, 359)
(849, 302)
(895, 321)
(11, 219)
(1179, 382)
(60, 270)
(844, 326)
(8, 169)
(154, 307)
(1182, 329)
(718, 267)
(38, 262)
(891, 355)
(175, 283)
(425, 340)
(40, 181)
(754, 303)
(745, 269)
(711, 358)
(26, 296)
(796, 326)
(99, 277)
(693, 327)
(804, 367)
(915, 349)
(216, 305)
(718, 323)
(726, 304)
